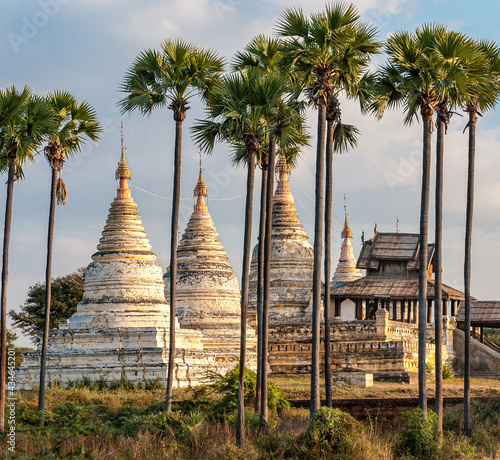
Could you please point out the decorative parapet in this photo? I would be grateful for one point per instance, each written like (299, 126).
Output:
(352, 330)
(402, 331)
(380, 329)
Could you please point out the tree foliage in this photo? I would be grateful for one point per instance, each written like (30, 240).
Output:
(67, 291)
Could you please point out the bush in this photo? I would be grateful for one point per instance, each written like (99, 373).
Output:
(227, 387)
(446, 372)
(418, 434)
(330, 432)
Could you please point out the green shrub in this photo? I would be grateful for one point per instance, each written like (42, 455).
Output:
(333, 432)
(67, 414)
(446, 372)
(226, 387)
(418, 433)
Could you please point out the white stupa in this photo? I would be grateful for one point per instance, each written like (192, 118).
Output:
(346, 268)
(208, 296)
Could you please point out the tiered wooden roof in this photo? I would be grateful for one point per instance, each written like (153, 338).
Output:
(393, 246)
(482, 313)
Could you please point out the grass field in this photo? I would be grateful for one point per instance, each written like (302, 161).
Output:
(128, 423)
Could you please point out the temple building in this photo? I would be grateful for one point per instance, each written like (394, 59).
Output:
(378, 333)
(208, 296)
(391, 261)
(292, 259)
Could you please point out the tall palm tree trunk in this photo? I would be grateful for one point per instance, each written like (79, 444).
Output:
(48, 289)
(318, 237)
(422, 275)
(438, 297)
(467, 263)
(173, 257)
(328, 256)
(5, 277)
(264, 407)
(240, 423)
(260, 280)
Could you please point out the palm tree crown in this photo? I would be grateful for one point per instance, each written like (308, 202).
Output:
(330, 49)
(169, 77)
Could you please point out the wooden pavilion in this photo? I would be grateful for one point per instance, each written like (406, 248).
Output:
(391, 261)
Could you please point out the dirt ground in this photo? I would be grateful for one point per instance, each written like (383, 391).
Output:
(298, 387)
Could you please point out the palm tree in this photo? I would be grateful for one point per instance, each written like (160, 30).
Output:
(237, 113)
(418, 77)
(482, 97)
(72, 121)
(261, 53)
(329, 50)
(25, 120)
(451, 47)
(442, 120)
(339, 138)
(170, 77)
(286, 127)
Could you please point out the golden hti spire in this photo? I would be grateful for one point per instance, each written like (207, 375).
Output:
(346, 231)
(282, 166)
(123, 174)
(200, 189)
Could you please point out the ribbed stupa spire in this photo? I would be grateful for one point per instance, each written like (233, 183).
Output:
(286, 223)
(291, 258)
(123, 284)
(346, 268)
(123, 174)
(207, 295)
(200, 245)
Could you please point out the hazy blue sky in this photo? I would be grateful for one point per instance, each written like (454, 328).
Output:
(85, 46)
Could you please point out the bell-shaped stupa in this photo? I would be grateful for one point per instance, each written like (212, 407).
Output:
(346, 268)
(207, 296)
(291, 258)
(123, 285)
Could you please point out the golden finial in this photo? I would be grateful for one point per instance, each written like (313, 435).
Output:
(346, 231)
(123, 171)
(200, 189)
(282, 165)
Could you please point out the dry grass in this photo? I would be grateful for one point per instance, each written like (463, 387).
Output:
(100, 431)
(298, 387)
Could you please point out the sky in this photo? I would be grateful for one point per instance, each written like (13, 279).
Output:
(86, 46)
